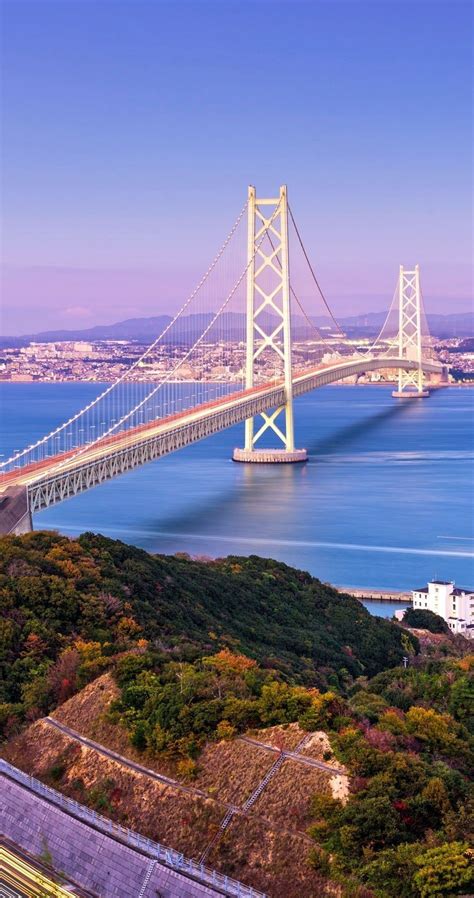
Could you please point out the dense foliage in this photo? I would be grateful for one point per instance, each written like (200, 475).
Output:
(205, 650)
(68, 606)
(422, 619)
(407, 830)
(172, 707)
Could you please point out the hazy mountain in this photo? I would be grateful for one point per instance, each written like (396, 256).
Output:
(144, 330)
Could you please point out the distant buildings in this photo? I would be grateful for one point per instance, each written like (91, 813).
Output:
(104, 361)
(455, 604)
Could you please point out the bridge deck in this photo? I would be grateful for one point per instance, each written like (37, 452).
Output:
(59, 477)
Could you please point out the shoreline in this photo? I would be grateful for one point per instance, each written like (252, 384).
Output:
(380, 595)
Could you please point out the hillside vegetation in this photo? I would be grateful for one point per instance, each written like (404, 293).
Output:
(69, 607)
(406, 737)
(198, 655)
(407, 830)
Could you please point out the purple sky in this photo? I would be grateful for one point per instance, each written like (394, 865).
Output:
(131, 131)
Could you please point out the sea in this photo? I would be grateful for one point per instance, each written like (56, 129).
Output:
(385, 501)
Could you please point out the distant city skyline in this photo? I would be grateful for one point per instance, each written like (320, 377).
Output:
(132, 129)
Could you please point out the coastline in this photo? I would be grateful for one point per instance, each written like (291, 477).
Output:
(381, 595)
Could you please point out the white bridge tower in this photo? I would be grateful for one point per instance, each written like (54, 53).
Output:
(410, 381)
(268, 300)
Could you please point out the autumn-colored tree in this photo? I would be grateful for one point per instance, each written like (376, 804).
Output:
(187, 769)
(225, 730)
(436, 730)
(127, 630)
(435, 793)
(226, 661)
(62, 677)
(34, 646)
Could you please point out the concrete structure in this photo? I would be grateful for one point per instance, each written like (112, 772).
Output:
(103, 858)
(453, 603)
(15, 515)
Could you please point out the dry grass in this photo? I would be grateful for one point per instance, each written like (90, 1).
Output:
(266, 848)
(36, 749)
(317, 746)
(185, 821)
(86, 713)
(287, 799)
(84, 710)
(270, 859)
(284, 736)
(232, 770)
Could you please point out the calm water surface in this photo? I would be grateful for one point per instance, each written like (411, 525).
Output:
(385, 500)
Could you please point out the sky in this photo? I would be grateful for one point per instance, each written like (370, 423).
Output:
(132, 129)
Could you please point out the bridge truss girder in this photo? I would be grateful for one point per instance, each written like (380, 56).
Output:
(64, 484)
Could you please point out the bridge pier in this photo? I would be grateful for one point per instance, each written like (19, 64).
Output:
(270, 456)
(410, 394)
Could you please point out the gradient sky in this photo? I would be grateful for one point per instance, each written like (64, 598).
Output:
(131, 131)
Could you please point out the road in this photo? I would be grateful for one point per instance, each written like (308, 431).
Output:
(26, 877)
(265, 394)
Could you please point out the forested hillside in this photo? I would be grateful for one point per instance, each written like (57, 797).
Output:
(407, 830)
(200, 652)
(69, 606)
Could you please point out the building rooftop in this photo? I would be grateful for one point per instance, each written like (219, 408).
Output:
(457, 591)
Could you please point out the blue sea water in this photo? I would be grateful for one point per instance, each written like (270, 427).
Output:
(385, 500)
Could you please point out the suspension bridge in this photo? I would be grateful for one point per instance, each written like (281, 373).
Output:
(243, 345)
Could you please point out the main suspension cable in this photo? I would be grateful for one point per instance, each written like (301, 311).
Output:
(184, 359)
(340, 329)
(138, 361)
(295, 297)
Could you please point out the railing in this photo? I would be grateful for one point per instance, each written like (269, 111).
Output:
(155, 850)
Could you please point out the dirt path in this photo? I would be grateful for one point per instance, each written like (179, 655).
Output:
(293, 755)
(126, 762)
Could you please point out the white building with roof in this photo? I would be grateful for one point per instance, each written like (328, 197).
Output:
(455, 604)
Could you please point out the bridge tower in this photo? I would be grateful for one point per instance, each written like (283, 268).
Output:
(268, 291)
(410, 382)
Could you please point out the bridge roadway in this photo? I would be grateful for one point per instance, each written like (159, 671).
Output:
(60, 477)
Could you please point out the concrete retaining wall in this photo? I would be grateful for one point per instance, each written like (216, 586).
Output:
(89, 857)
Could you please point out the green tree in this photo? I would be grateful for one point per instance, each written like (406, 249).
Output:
(444, 871)
(422, 619)
(461, 701)
(390, 874)
(367, 824)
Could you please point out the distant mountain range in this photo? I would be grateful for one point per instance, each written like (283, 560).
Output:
(458, 324)
(144, 330)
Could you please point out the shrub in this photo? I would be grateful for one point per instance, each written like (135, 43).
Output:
(187, 769)
(422, 619)
(225, 730)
